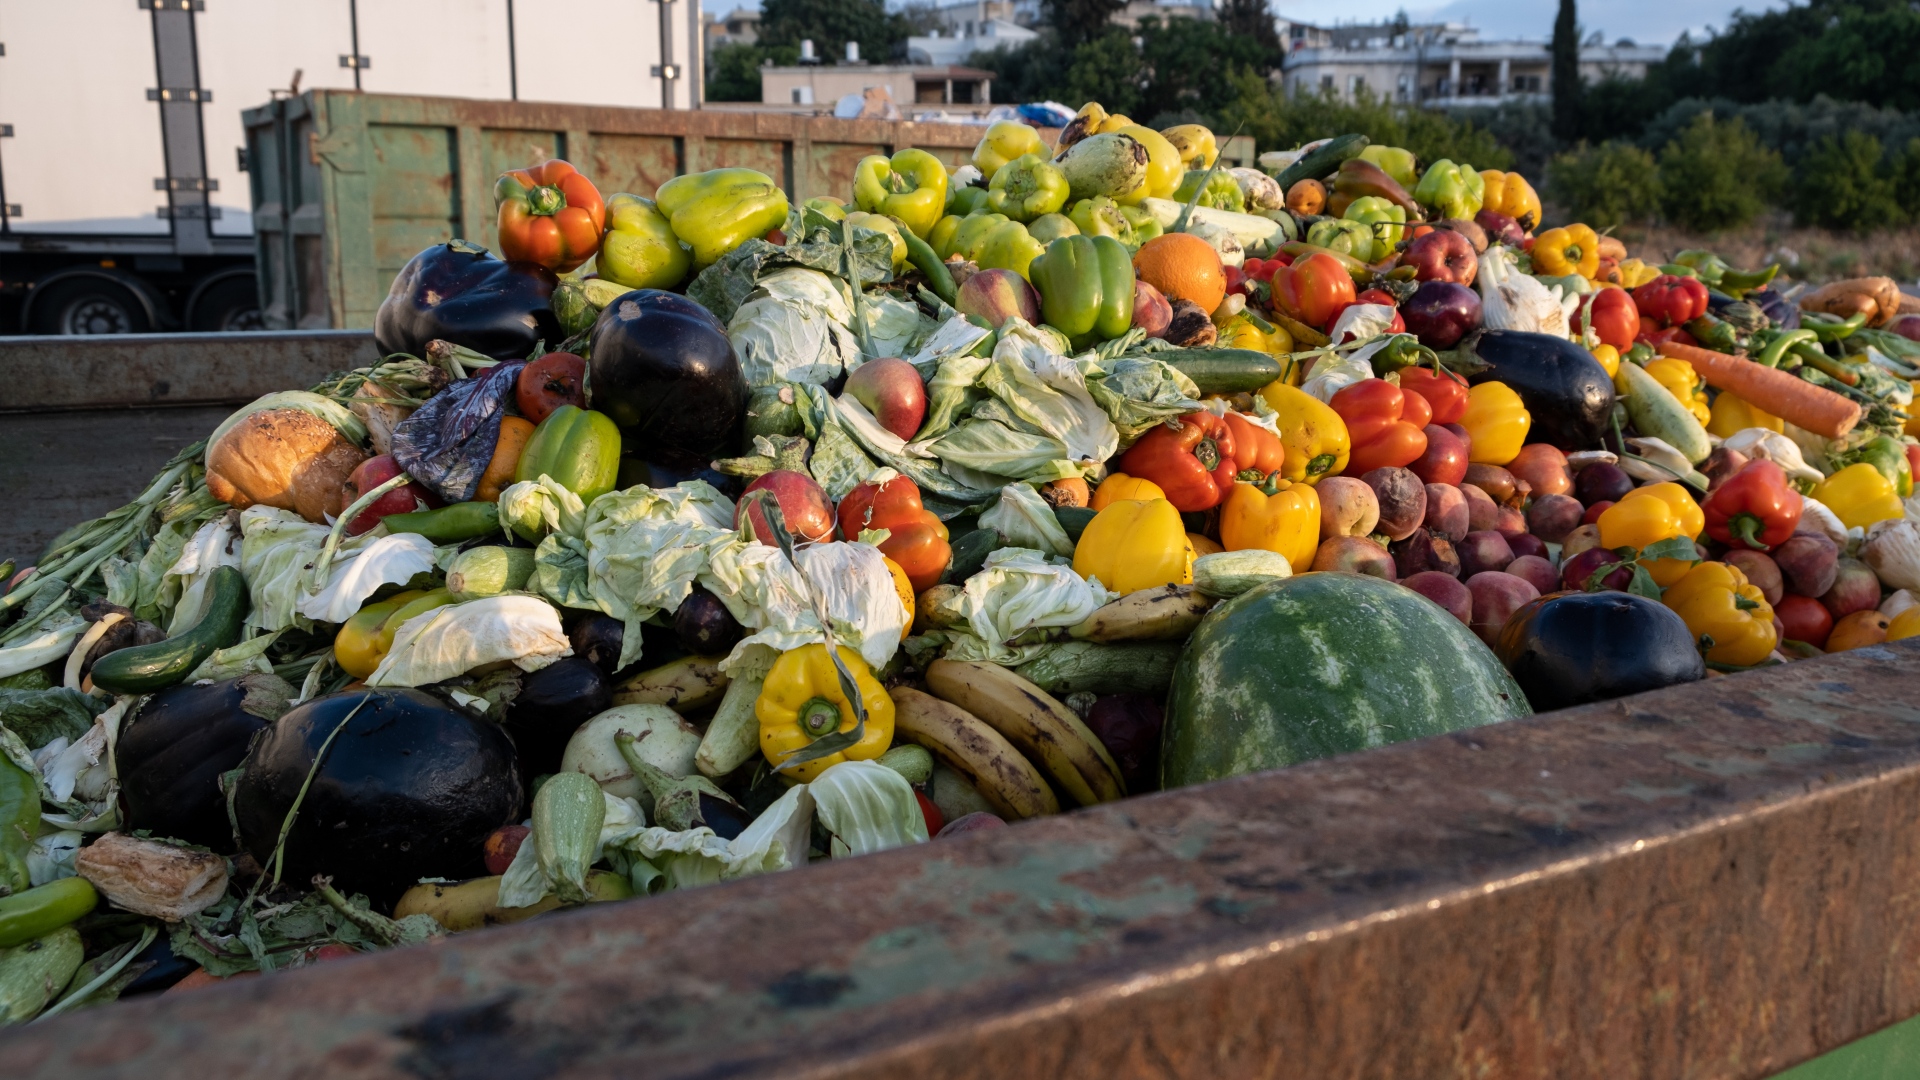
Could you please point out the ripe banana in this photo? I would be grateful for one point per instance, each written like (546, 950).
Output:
(1040, 725)
(1162, 613)
(687, 683)
(968, 746)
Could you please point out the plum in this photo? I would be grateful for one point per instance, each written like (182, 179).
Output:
(1496, 596)
(1544, 467)
(1482, 512)
(974, 822)
(1129, 726)
(1592, 516)
(1722, 465)
(1446, 591)
(1601, 482)
(1575, 571)
(1422, 552)
(1445, 461)
(1402, 500)
(1808, 562)
(1854, 589)
(1498, 483)
(1354, 555)
(1348, 507)
(1446, 510)
(1525, 543)
(1510, 518)
(502, 844)
(1581, 539)
(1482, 551)
(1552, 517)
(1761, 571)
(1536, 571)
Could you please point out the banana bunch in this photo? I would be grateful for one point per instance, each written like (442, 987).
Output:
(1013, 740)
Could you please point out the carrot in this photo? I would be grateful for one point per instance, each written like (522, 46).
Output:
(1781, 393)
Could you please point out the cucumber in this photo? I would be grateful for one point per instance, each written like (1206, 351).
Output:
(1321, 160)
(1657, 413)
(32, 974)
(146, 668)
(1226, 574)
(970, 551)
(449, 524)
(488, 571)
(1134, 667)
(1074, 519)
(1223, 371)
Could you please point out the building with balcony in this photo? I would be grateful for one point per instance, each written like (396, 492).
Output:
(906, 84)
(1441, 66)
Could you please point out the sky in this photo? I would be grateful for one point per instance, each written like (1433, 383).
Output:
(1648, 22)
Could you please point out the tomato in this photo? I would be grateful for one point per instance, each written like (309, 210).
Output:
(1314, 289)
(1802, 618)
(556, 379)
(1446, 395)
(917, 539)
(1670, 300)
(1612, 315)
(1376, 296)
(1236, 279)
(1372, 409)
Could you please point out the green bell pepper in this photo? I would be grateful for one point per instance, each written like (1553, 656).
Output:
(1353, 238)
(1004, 141)
(19, 820)
(1007, 246)
(1452, 191)
(639, 249)
(966, 200)
(1101, 216)
(827, 207)
(1027, 187)
(940, 237)
(965, 235)
(1395, 162)
(1383, 218)
(1050, 227)
(911, 187)
(1086, 288)
(715, 212)
(1145, 226)
(1222, 191)
(1887, 455)
(577, 448)
(860, 219)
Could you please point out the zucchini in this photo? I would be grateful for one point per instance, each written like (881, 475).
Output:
(1142, 667)
(1074, 519)
(568, 812)
(33, 974)
(1259, 234)
(970, 551)
(1656, 412)
(1223, 371)
(1321, 160)
(146, 668)
(449, 524)
(488, 571)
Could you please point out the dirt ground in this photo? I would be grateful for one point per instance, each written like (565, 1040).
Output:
(1811, 255)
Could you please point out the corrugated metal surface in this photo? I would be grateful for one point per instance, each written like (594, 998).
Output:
(1712, 881)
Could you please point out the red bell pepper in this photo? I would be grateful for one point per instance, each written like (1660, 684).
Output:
(550, 215)
(1314, 290)
(1445, 394)
(1613, 316)
(1373, 410)
(1656, 337)
(1671, 300)
(1755, 508)
(1257, 451)
(919, 538)
(1192, 459)
(1913, 458)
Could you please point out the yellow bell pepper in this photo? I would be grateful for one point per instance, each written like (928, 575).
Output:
(1197, 146)
(1904, 625)
(1913, 417)
(1279, 515)
(1164, 167)
(1729, 617)
(1238, 332)
(910, 187)
(1648, 515)
(1571, 249)
(1609, 358)
(801, 701)
(1004, 141)
(1133, 545)
(880, 223)
(1684, 383)
(1497, 421)
(639, 249)
(717, 211)
(1733, 413)
(1635, 273)
(902, 587)
(1860, 495)
(1509, 193)
(1313, 434)
(1119, 487)
(356, 648)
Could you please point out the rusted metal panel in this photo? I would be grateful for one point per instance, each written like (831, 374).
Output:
(1716, 880)
(634, 163)
(137, 370)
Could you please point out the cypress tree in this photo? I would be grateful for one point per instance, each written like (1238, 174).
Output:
(1566, 84)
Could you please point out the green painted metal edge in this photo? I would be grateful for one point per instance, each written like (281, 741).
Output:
(1892, 1053)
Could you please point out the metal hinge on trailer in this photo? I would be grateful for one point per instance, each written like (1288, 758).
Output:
(6, 131)
(241, 161)
(180, 93)
(666, 71)
(173, 5)
(12, 210)
(362, 62)
(186, 183)
(189, 212)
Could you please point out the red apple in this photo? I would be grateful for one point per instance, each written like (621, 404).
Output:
(891, 390)
(1151, 311)
(998, 295)
(1442, 255)
(806, 508)
(404, 499)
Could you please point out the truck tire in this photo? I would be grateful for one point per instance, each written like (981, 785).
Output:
(87, 305)
(224, 304)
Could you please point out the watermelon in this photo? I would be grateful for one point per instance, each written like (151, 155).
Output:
(1321, 664)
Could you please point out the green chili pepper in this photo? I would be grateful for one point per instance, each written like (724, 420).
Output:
(1834, 331)
(449, 524)
(921, 255)
(42, 910)
(1713, 333)
(1781, 343)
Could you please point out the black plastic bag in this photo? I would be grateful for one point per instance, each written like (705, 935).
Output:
(447, 443)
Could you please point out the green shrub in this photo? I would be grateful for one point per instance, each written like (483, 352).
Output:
(1606, 185)
(1904, 169)
(1278, 120)
(1844, 184)
(1717, 175)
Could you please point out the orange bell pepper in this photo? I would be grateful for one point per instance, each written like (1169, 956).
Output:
(1192, 459)
(919, 538)
(1256, 450)
(550, 215)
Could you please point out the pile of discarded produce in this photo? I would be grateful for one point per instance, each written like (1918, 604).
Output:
(702, 536)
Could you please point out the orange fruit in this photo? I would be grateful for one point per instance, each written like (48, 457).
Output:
(1184, 267)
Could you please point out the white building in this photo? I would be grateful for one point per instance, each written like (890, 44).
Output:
(1441, 66)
